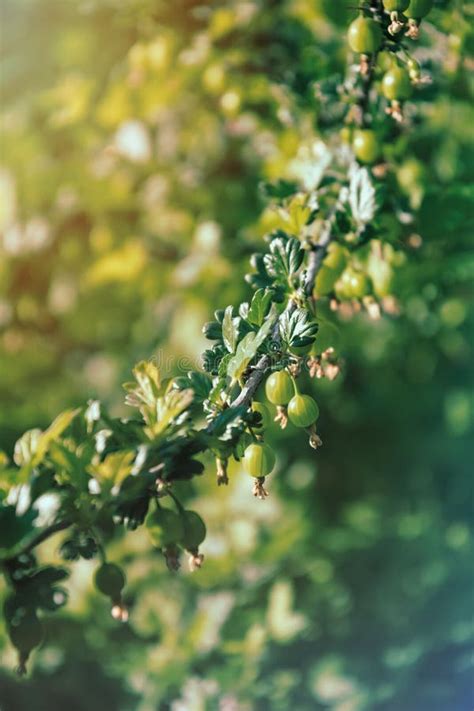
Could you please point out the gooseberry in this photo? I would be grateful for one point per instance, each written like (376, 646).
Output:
(303, 410)
(109, 579)
(364, 35)
(396, 84)
(194, 530)
(279, 388)
(27, 634)
(352, 284)
(258, 459)
(418, 8)
(164, 527)
(396, 5)
(414, 69)
(366, 145)
(381, 274)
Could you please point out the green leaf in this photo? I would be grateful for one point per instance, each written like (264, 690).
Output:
(168, 409)
(285, 258)
(230, 327)
(248, 347)
(200, 383)
(225, 418)
(361, 196)
(26, 447)
(32, 447)
(297, 329)
(114, 468)
(259, 307)
(223, 365)
(69, 465)
(278, 190)
(15, 528)
(147, 388)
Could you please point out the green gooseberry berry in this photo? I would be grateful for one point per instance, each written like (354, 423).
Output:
(109, 579)
(164, 527)
(194, 530)
(366, 145)
(279, 388)
(396, 84)
(258, 459)
(396, 5)
(303, 410)
(27, 634)
(352, 284)
(418, 8)
(364, 35)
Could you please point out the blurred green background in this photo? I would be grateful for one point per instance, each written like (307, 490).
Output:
(135, 134)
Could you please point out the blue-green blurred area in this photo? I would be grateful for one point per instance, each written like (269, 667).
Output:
(135, 135)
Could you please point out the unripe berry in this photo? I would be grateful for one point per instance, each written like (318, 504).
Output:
(414, 69)
(366, 145)
(396, 5)
(279, 388)
(27, 634)
(418, 8)
(303, 411)
(109, 579)
(194, 530)
(396, 84)
(164, 527)
(364, 35)
(258, 460)
(353, 284)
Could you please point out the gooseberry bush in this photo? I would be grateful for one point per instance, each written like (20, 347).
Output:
(327, 253)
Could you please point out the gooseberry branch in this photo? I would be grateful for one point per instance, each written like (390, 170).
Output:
(134, 463)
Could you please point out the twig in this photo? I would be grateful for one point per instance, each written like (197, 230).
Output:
(315, 260)
(39, 538)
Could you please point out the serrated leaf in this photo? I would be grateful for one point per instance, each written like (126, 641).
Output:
(148, 385)
(223, 365)
(230, 327)
(225, 418)
(169, 408)
(297, 329)
(32, 447)
(68, 466)
(361, 196)
(285, 258)
(248, 347)
(259, 307)
(114, 468)
(200, 383)
(212, 358)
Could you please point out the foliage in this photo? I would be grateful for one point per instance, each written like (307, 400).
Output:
(125, 181)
